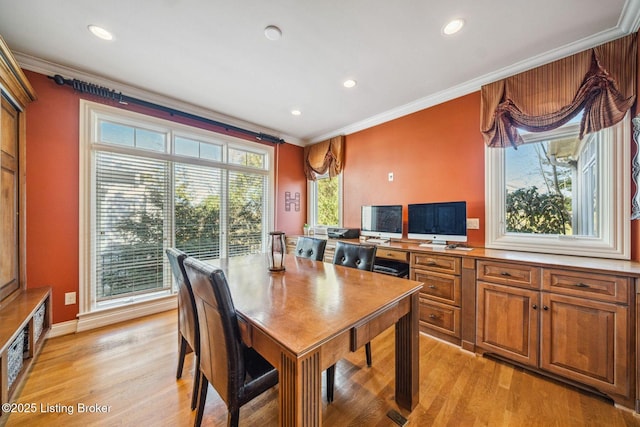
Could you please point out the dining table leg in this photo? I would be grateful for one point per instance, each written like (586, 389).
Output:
(300, 391)
(408, 357)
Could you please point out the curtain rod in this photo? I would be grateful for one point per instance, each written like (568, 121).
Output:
(103, 92)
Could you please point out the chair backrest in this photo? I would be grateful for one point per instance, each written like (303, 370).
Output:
(310, 247)
(187, 315)
(221, 350)
(351, 255)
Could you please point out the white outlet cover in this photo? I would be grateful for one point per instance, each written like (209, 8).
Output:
(70, 298)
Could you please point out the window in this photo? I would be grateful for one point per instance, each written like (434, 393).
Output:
(325, 199)
(559, 194)
(148, 184)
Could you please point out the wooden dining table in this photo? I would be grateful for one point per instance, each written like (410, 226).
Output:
(305, 319)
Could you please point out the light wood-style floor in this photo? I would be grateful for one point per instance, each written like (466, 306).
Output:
(130, 369)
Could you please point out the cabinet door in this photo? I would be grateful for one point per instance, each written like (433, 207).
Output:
(587, 341)
(9, 272)
(507, 322)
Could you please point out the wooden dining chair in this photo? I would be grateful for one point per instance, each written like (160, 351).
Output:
(237, 372)
(361, 257)
(188, 328)
(311, 247)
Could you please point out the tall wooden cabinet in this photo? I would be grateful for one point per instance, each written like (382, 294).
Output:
(25, 313)
(15, 94)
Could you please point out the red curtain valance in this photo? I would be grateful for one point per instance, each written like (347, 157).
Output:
(602, 81)
(323, 157)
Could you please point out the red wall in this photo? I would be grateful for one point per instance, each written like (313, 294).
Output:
(291, 216)
(52, 188)
(52, 193)
(435, 155)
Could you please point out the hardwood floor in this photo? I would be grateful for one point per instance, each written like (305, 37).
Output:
(128, 371)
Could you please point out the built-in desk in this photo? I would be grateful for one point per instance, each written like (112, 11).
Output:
(575, 319)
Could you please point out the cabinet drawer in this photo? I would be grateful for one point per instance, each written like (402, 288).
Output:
(509, 274)
(291, 243)
(394, 254)
(441, 317)
(590, 285)
(440, 287)
(440, 263)
(328, 254)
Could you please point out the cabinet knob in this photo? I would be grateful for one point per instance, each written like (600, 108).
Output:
(505, 273)
(534, 306)
(432, 286)
(432, 316)
(544, 307)
(581, 285)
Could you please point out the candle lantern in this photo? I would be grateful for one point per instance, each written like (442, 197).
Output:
(277, 251)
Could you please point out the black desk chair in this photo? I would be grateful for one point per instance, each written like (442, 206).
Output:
(237, 372)
(361, 257)
(188, 329)
(310, 247)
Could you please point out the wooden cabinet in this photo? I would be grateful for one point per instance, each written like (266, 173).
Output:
(15, 94)
(290, 243)
(571, 323)
(24, 313)
(586, 329)
(9, 197)
(440, 296)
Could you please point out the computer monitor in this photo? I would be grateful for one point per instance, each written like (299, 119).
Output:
(381, 221)
(438, 222)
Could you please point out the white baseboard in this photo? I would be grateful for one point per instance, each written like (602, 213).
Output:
(62, 328)
(101, 318)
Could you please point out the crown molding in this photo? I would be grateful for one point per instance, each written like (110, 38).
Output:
(628, 23)
(47, 68)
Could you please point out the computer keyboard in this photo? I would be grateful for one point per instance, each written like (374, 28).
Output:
(374, 240)
(432, 245)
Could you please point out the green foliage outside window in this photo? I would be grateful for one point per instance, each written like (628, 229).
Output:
(530, 209)
(327, 201)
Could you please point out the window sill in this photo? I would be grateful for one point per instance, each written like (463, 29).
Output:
(109, 316)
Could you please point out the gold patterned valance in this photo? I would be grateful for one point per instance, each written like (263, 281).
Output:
(601, 81)
(323, 157)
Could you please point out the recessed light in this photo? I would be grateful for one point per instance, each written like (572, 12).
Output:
(100, 32)
(296, 112)
(349, 83)
(453, 26)
(272, 33)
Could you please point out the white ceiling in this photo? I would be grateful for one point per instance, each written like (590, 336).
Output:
(212, 55)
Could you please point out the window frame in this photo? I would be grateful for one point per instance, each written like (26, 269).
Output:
(312, 208)
(90, 115)
(614, 210)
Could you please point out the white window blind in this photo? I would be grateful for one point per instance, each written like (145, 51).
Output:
(246, 212)
(131, 225)
(198, 205)
(148, 185)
